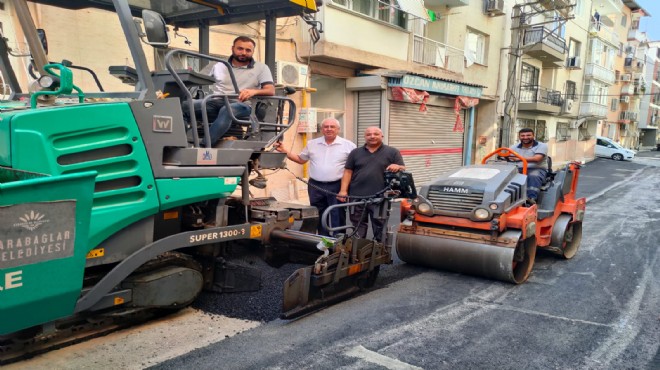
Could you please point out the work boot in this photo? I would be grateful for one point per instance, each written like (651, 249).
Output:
(530, 202)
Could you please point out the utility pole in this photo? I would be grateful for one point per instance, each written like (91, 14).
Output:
(512, 93)
(520, 21)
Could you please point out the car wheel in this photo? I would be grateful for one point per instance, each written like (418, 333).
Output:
(617, 156)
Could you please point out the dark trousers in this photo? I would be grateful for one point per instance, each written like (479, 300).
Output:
(370, 212)
(535, 178)
(324, 199)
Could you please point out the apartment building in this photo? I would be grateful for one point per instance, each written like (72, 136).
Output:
(423, 71)
(551, 80)
(600, 74)
(623, 115)
(650, 101)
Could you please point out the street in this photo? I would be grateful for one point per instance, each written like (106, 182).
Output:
(596, 311)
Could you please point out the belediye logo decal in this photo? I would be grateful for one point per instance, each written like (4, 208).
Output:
(32, 220)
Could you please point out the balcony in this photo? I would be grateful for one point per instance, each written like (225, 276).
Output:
(604, 32)
(339, 45)
(448, 3)
(627, 116)
(539, 99)
(608, 6)
(433, 53)
(636, 34)
(628, 90)
(600, 73)
(633, 65)
(562, 6)
(590, 109)
(545, 46)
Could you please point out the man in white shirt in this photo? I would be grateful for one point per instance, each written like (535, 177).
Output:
(327, 156)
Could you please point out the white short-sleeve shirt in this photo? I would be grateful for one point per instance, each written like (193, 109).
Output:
(327, 160)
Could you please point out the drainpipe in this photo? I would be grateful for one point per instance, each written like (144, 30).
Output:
(468, 153)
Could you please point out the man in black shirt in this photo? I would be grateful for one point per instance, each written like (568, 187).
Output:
(364, 175)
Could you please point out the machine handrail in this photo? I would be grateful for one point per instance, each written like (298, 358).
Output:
(188, 94)
(226, 97)
(326, 214)
(507, 152)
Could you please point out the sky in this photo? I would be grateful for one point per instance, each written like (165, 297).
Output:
(651, 25)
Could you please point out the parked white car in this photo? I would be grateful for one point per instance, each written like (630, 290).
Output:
(606, 147)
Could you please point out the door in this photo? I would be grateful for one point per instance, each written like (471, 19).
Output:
(427, 141)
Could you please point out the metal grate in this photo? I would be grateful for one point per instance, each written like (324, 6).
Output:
(453, 202)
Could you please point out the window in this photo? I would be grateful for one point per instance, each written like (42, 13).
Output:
(529, 89)
(529, 76)
(583, 133)
(596, 92)
(562, 131)
(180, 61)
(613, 105)
(571, 92)
(384, 10)
(537, 125)
(624, 20)
(476, 47)
(573, 53)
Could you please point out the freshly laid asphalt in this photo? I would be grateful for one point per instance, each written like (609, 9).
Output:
(596, 311)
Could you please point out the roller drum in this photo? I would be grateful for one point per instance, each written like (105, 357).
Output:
(471, 256)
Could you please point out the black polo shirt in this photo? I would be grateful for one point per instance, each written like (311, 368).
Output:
(369, 168)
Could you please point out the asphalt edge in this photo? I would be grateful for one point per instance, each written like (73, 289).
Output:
(622, 182)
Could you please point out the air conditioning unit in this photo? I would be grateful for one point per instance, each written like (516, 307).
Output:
(567, 106)
(291, 74)
(624, 99)
(573, 62)
(494, 7)
(626, 77)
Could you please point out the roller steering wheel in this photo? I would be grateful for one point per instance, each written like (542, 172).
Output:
(507, 154)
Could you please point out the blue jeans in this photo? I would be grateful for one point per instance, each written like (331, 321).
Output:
(222, 121)
(535, 178)
(221, 124)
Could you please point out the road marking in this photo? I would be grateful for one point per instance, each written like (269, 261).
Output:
(378, 359)
(483, 304)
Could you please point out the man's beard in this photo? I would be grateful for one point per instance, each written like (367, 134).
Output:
(240, 58)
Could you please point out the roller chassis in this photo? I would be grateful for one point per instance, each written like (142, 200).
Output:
(441, 227)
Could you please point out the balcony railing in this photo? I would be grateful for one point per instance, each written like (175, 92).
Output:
(628, 116)
(591, 109)
(595, 71)
(538, 94)
(603, 31)
(634, 34)
(608, 6)
(545, 36)
(431, 52)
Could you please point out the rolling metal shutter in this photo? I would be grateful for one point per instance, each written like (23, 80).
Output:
(368, 112)
(426, 140)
